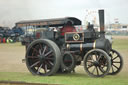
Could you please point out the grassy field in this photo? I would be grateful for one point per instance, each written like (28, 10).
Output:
(120, 44)
(67, 79)
(20, 73)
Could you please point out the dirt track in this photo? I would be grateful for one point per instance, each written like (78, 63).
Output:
(11, 56)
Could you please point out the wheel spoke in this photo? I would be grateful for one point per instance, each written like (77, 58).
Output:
(99, 57)
(89, 66)
(90, 61)
(45, 68)
(34, 64)
(115, 66)
(51, 63)
(92, 58)
(97, 70)
(48, 53)
(116, 61)
(96, 56)
(93, 70)
(39, 69)
(40, 46)
(44, 50)
(102, 70)
(34, 49)
(115, 58)
(40, 51)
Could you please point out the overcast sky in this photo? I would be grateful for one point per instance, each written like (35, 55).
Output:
(12, 11)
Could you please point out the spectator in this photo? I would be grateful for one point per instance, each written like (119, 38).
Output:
(4, 40)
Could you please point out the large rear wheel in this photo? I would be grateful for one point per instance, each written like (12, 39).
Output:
(43, 57)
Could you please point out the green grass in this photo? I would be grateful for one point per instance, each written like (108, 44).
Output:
(120, 44)
(67, 79)
(74, 78)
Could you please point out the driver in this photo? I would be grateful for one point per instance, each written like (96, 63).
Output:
(67, 28)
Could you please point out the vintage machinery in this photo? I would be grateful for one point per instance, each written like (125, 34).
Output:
(61, 48)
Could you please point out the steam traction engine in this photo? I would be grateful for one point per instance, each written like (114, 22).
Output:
(63, 48)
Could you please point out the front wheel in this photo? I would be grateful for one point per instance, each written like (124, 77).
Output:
(97, 63)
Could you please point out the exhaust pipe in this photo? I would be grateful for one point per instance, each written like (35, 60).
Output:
(101, 22)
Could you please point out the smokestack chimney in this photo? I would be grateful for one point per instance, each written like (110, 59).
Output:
(101, 22)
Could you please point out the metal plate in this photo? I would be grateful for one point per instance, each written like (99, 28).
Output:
(74, 37)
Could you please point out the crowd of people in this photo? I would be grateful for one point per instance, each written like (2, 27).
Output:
(7, 40)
